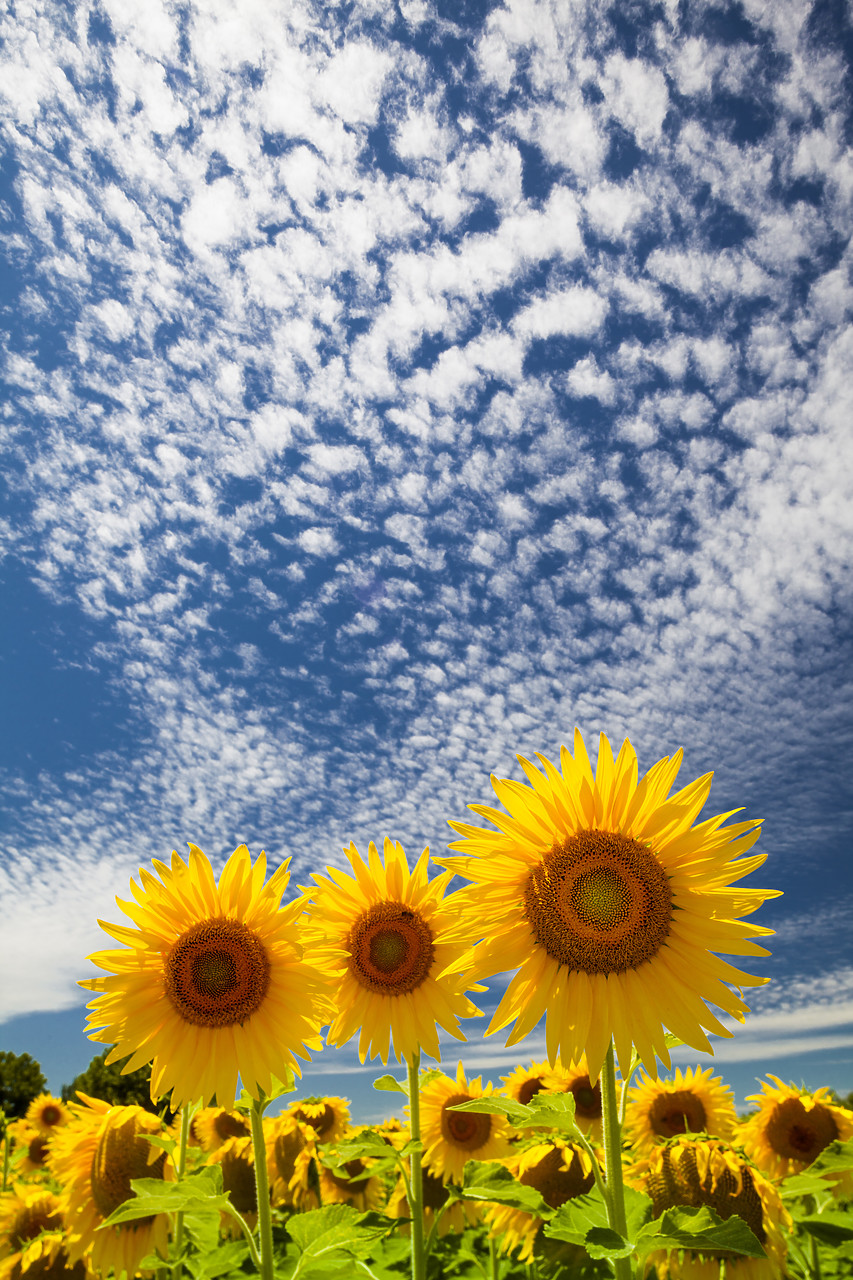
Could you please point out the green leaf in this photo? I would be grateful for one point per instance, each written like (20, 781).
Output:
(832, 1227)
(494, 1183)
(803, 1184)
(223, 1259)
(604, 1242)
(544, 1111)
(201, 1193)
(387, 1084)
(638, 1210)
(574, 1219)
(836, 1158)
(428, 1076)
(337, 1228)
(157, 1140)
(672, 1041)
(699, 1229)
(278, 1088)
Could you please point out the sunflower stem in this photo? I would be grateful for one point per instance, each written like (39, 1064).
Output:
(613, 1159)
(815, 1260)
(416, 1189)
(262, 1188)
(178, 1268)
(494, 1259)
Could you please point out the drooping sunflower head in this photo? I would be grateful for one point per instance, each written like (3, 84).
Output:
(559, 1171)
(791, 1127)
(235, 1157)
(612, 902)
(45, 1257)
(95, 1158)
(696, 1171)
(287, 1139)
(47, 1113)
(394, 952)
(328, 1117)
(450, 1137)
(211, 982)
(215, 1125)
(695, 1102)
(25, 1212)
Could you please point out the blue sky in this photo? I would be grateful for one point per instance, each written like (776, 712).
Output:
(389, 389)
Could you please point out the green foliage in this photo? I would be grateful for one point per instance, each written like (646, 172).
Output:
(333, 1234)
(552, 1111)
(21, 1080)
(106, 1082)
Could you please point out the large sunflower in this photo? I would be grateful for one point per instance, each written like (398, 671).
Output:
(212, 982)
(611, 902)
(696, 1171)
(791, 1127)
(451, 1138)
(696, 1102)
(393, 947)
(94, 1158)
(559, 1171)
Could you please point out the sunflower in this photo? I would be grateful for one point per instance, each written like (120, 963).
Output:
(328, 1117)
(574, 1079)
(696, 1171)
(291, 1182)
(559, 1171)
(236, 1160)
(452, 1137)
(696, 1102)
(25, 1212)
(213, 1126)
(525, 1082)
(47, 1113)
(31, 1145)
(791, 1127)
(44, 1258)
(611, 902)
(393, 948)
(95, 1157)
(212, 982)
(349, 1183)
(461, 1214)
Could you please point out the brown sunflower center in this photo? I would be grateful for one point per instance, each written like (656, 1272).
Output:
(217, 973)
(238, 1177)
(322, 1121)
(587, 1098)
(677, 1111)
(37, 1149)
(599, 902)
(288, 1144)
(32, 1220)
(435, 1191)
(530, 1088)
(228, 1126)
(679, 1182)
(122, 1153)
(391, 949)
(351, 1177)
(52, 1265)
(468, 1129)
(796, 1133)
(50, 1115)
(559, 1176)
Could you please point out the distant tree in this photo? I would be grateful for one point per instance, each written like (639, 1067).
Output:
(106, 1082)
(21, 1080)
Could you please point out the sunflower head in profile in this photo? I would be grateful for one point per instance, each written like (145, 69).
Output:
(328, 1117)
(696, 1171)
(31, 1145)
(695, 1102)
(791, 1127)
(451, 1138)
(559, 1171)
(235, 1157)
(210, 982)
(213, 1126)
(94, 1158)
(291, 1181)
(394, 951)
(610, 902)
(47, 1113)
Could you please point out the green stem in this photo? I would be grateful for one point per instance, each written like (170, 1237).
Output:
(584, 1142)
(244, 1227)
(177, 1269)
(416, 1195)
(815, 1259)
(262, 1187)
(5, 1159)
(495, 1259)
(613, 1159)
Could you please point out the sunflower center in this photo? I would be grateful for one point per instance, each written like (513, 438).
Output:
(391, 949)
(468, 1129)
(677, 1111)
(50, 1115)
(228, 1126)
(217, 973)
(530, 1088)
(321, 1122)
(559, 1176)
(680, 1182)
(587, 1098)
(32, 1220)
(288, 1144)
(435, 1191)
(121, 1154)
(53, 1265)
(238, 1178)
(599, 903)
(799, 1134)
(37, 1149)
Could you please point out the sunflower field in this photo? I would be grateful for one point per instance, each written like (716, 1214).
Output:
(612, 904)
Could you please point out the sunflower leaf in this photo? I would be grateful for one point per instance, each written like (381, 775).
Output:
(493, 1182)
(334, 1229)
(515, 1112)
(387, 1084)
(831, 1228)
(222, 1259)
(201, 1192)
(604, 1242)
(577, 1217)
(835, 1158)
(802, 1184)
(544, 1111)
(699, 1229)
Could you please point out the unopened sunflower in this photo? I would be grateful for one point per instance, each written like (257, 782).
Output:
(696, 1171)
(211, 981)
(47, 1113)
(791, 1127)
(695, 1102)
(393, 947)
(612, 903)
(559, 1171)
(94, 1158)
(451, 1138)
